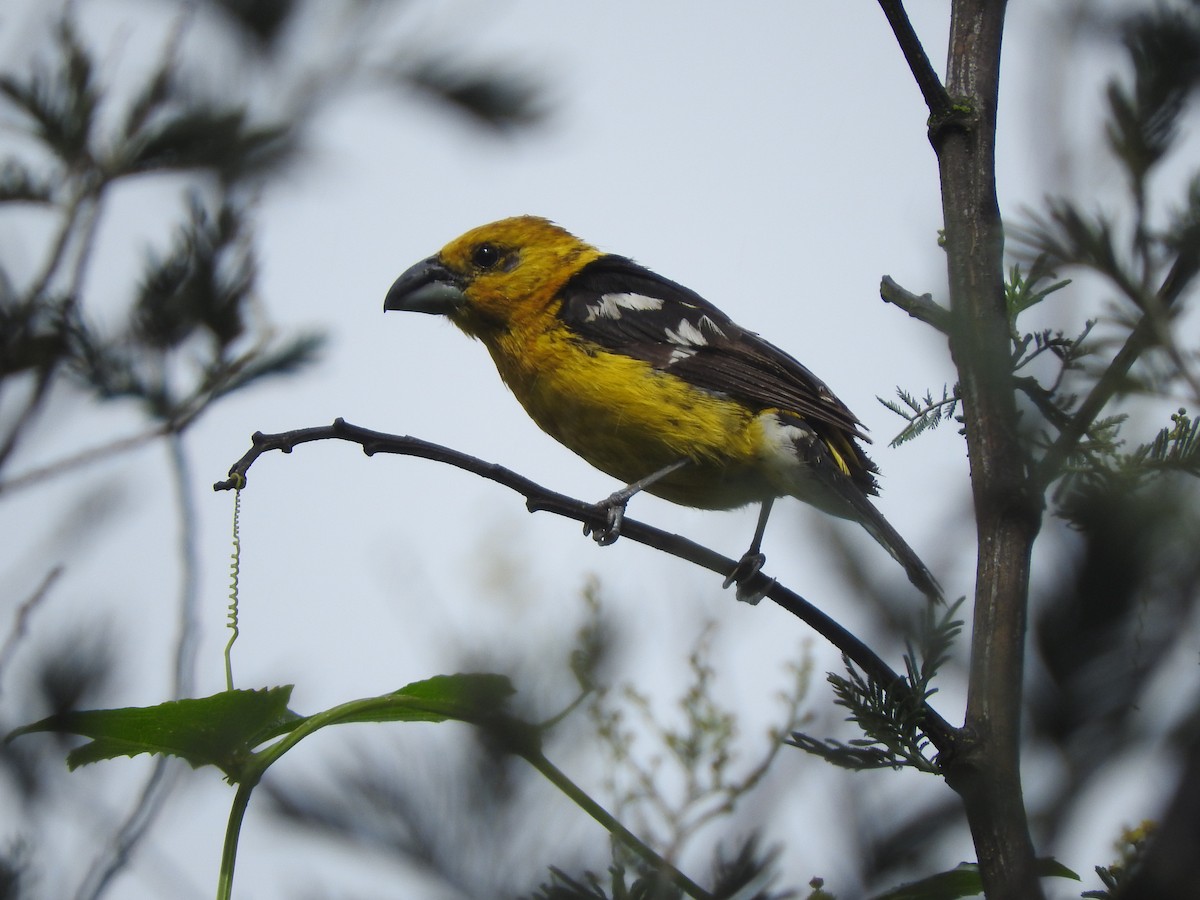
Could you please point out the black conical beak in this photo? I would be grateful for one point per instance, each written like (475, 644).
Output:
(428, 287)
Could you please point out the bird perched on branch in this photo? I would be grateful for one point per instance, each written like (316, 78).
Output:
(651, 383)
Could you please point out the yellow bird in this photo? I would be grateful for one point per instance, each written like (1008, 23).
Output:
(651, 383)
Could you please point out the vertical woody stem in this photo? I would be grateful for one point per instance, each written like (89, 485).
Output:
(986, 769)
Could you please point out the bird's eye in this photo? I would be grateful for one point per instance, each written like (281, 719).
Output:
(486, 256)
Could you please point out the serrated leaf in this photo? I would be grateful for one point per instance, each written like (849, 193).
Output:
(221, 730)
(964, 881)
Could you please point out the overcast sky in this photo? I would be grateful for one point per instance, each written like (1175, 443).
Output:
(774, 160)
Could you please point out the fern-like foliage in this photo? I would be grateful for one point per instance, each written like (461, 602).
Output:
(1132, 847)
(1022, 292)
(747, 875)
(1070, 351)
(1174, 449)
(890, 719)
(589, 886)
(922, 413)
(1100, 465)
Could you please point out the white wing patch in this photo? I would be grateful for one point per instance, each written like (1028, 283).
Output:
(611, 306)
(689, 337)
(686, 338)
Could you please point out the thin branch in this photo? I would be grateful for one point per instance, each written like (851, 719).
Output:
(1043, 399)
(922, 308)
(1104, 389)
(189, 568)
(84, 457)
(154, 793)
(21, 620)
(30, 411)
(164, 777)
(657, 863)
(83, 194)
(1158, 313)
(537, 498)
(936, 97)
(187, 411)
(1140, 339)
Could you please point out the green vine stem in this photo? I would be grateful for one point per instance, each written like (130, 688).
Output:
(581, 799)
(388, 707)
(232, 831)
(253, 772)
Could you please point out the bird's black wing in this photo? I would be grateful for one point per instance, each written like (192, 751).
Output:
(625, 308)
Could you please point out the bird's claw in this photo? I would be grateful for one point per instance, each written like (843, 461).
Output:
(747, 567)
(744, 572)
(614, 515)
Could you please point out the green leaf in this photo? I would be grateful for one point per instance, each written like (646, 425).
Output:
(477, 699)
(1021, 292)
(221, 730)
(465, 698)
(964, 881)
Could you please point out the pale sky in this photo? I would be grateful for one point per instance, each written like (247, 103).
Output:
(776, 162)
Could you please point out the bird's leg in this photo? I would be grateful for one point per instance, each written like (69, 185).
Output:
(752, 560)
(614, 505)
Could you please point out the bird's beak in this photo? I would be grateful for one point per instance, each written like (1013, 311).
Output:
(427, 287)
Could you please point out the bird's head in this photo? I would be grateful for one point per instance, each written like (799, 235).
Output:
(494, 276)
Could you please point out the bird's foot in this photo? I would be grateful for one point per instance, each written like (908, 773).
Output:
(613, 510)
(613, 506)
(745, 572)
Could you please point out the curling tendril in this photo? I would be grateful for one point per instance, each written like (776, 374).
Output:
(234, 571)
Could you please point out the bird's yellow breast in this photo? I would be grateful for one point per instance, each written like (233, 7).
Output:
(629, 419)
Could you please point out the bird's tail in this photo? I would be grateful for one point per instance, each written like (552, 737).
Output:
(889, 538)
